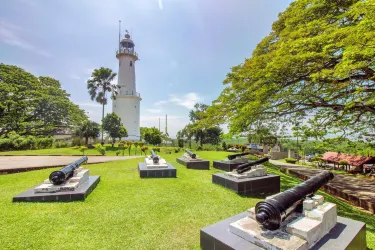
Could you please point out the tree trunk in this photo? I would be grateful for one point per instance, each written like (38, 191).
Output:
(86, 141)
(102, 124)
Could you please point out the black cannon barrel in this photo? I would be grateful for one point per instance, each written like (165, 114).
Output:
(231, 157)
(191, 154)
(247, 166)
(271, 212)
(60, 176)
(154, 157)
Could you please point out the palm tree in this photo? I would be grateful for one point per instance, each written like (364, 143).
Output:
(99, 85)
(88, 129)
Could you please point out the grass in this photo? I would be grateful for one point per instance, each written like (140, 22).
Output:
(126, 212)
(110, 151)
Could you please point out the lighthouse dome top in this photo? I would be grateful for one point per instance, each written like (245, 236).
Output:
(127, 42)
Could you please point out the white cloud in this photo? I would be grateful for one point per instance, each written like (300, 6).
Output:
(188, 100)
(160, 4)
(9, 34)
(154, 111)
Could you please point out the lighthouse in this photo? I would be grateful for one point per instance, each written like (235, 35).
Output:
(127, 102)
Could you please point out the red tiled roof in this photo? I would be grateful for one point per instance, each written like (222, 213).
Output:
(353, 160)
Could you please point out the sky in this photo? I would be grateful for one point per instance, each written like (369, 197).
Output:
(186, 47)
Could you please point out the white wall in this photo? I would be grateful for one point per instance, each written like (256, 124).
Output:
(126, 73)
(128, 110)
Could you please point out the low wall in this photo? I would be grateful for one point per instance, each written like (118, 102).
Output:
(279, 155)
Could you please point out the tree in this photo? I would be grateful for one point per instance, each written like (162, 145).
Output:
(196, 116)
(35, 106)
(113, 126)
(88, 129)
(212, 135)
(123, 133)
(318, 64)
(152, 136)
(99, 85)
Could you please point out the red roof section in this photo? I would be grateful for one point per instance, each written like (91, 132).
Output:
(353, 160)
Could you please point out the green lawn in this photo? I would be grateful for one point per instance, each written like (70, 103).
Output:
(126, 212)
(73, 151)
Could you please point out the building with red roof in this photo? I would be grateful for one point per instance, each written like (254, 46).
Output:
(353, 160)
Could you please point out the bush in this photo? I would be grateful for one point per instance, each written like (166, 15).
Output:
(100, 149)
(290, 160)
(5, 144)
(28, 142)
(118, 152)
(61, 144)
(176, 150)
(199, 148)
(77, 141)
(224, 146)
(144, 149)
(156, 149)
(180, 143)
(44, 142)
(82, 149)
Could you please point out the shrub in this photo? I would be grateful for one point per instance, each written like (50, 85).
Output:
(236, 146)
(5, 144)
(44, 142)
(344, 163)
(76, 141)
(199, 148)
(180, 143)
(224, 146)
(243, 148)
(156, 149)
(82, 149)
(118, 152)
(29, 142)
(61, 144)
(100, 149)
(176, 150)
(290, 160)
(144, 149)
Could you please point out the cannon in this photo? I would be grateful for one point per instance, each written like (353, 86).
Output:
(154, 157)
(272, 211)
(247, 166)
(232, 157)
(191, 154)
(60, 176)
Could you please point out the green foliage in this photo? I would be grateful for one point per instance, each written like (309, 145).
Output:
(290, 160)
(99, 85)
(144, 149)
(181, 143)
(61, 144)
(224, 146)
(100, 149)
(35, 106)
(113, 126)
(82, 149)
(88, 129)
(156, 150)
(152, 136)
(118, 152)
(343, 163)
(318, 64)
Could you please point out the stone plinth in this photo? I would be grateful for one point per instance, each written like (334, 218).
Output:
(166, 172)
(269, 184)
(79, 194)
(194, 164)
(347, 234)
(227, 165)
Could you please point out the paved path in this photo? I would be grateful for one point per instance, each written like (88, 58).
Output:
(13, 164)
(357, 191)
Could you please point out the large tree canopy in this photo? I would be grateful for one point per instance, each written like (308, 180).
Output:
(317, 63)
(31, 105)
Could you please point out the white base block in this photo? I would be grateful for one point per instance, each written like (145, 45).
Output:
(248, 229)
(257, 171)
(150, 164)
(80, 176)
(298, 231)
(187, 157)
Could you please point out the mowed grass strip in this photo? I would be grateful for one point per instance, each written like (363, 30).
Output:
(126, 212)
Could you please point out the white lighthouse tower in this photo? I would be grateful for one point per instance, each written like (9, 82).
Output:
(127, 102)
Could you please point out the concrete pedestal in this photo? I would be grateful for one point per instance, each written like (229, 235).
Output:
(167, 172)
(347, 234)
(269, 184)
(78, 194)
(226, 165)
(195, 164)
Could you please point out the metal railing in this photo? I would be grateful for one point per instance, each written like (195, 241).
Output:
(129, 93)
(126, 51)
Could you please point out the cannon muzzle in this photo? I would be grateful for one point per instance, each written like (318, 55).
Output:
(271, 212)
(232, 157)
(154, 157)
(247, 166)
(191, 154)
(60, 176)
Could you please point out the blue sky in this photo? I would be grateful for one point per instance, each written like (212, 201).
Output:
(186, 47)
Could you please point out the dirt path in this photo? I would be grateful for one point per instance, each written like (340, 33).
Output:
(14, 164)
